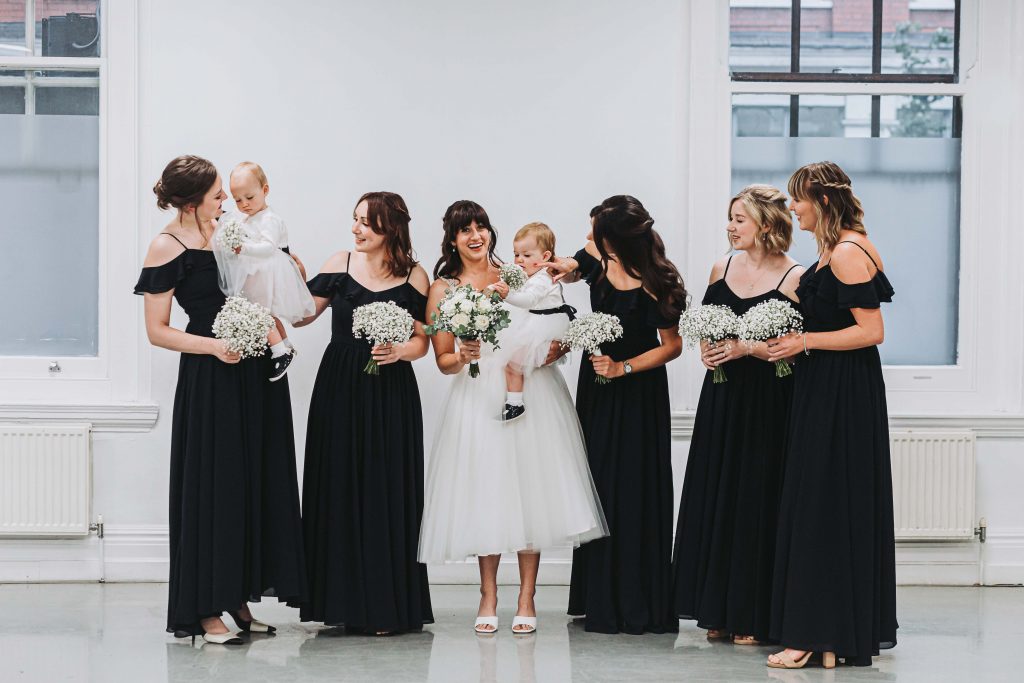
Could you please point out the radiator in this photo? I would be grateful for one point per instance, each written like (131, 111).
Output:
(933, 485)
(45, 480)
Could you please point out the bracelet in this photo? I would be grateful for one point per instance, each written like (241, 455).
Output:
(806, 350)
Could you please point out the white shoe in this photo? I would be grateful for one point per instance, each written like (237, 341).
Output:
(486, 621)
(529, 622)
(229, 638)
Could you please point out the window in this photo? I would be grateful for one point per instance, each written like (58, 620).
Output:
(867, 84)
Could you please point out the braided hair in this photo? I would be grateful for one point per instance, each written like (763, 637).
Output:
(829, 189)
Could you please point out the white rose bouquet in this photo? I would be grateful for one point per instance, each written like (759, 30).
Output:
(770, 319)
(513, 275)
(230, 235)
(711, 323)
(244, 325)
(469, 314)
(382, 322)
(589, 331)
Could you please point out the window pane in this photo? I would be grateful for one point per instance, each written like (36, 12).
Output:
(12, 29)
(910, 188)
(917, 37)
(760, 115)
(67, 28)
(835, 37)
(49, 175)
(917, 116)
(760, 35)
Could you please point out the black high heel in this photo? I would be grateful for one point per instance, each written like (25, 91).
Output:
(254, 626)
(228, 638)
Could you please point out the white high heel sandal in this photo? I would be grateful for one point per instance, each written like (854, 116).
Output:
(486, 621)
(529, 622)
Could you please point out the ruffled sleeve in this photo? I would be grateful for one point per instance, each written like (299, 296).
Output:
(163, 278)
(326, 284)
(416, 304)
(868, 294)
(590, 267)
(654, 317)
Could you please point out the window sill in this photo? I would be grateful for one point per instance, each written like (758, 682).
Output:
(119, 417)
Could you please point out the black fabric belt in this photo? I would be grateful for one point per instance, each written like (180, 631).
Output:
(564, 308)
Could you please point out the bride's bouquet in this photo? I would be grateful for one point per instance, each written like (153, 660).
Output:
(711, 323)
(512, 275)
(469, 314)
(770, 319)
(589, 331)
(382, 322)
(244, 325)
(230, 234)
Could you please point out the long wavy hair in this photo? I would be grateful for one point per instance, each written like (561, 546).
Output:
(622, 225)
(389, 216)
(843, 211)
(459, 215)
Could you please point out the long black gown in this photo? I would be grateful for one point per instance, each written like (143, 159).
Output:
(834, 585)
(623, 582)
(725, 535)
(362, 494)
(235, 532)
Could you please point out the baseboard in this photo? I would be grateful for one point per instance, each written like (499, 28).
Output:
(1003, 557)
(938, 564)
(136, 553)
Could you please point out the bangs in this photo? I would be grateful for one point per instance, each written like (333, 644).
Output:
(798, 184)
(462, 214)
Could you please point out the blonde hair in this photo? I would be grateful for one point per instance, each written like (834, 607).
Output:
(829, 189)
(767, 208)
(254, 168)
(541, 234)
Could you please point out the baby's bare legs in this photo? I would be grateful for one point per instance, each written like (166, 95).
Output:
(514, 406)
(513, 379)
(276, 334)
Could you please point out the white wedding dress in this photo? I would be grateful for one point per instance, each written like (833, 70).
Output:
(498, 487)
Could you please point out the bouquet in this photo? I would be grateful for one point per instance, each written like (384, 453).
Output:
(513, 275)
(230, 234)
(589, 331)
(244, 325)
(770, 319)
(711, 323)
(469, 314)
(382, 322)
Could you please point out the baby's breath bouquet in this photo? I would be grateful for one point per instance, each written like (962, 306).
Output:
(230, 234)
(711, 323)
(589, 331)
(513, 275)
(469, 314)
(770, 319)
(244, 325)
(382, 322)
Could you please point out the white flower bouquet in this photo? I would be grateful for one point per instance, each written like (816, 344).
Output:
(469, 314)
(244, 325)
(513, 275)
(230, 234)
(589, 331)
(382, 322)
(711, 323)
(770, 319)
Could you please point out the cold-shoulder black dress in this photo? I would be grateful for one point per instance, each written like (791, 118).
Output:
(235, 532)
(362, 494)
(622, 583)
(835, 567)
(725, 534)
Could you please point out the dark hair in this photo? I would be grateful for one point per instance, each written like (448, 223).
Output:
(389, 216)
(184, 182)
(623, 224)
(459, 215)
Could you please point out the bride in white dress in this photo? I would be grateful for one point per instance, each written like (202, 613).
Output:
(494, 487)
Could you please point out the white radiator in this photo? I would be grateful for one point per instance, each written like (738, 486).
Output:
(45, 480)
(933, 485)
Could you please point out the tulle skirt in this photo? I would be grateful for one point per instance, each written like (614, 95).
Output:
(495, 487)
(528, 338)
(273, 282)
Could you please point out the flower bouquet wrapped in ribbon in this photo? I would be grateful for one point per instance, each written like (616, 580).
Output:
(712, 323)
(589, 331)
(513, 275)
(382, 322)
(770, 319)
(244, 325)
(469, 314)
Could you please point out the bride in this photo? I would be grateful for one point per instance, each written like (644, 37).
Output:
(490, 488)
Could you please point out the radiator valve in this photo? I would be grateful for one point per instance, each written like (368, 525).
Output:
(97, 526)
(981, 531)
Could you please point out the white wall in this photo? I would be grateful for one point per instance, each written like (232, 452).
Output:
(537, 110)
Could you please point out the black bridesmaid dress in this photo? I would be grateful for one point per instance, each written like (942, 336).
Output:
(362, 495)
(235, 532)
(725, 535)
(622, 583)
(834, 585)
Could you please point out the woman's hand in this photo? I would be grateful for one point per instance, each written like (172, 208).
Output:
(302, 268)
(781, 348)
(560, 267)
(386, 354)
(555, 351)
(717, 353)
(501, 287)
(219, 348)
(469, 351)
(606, 367)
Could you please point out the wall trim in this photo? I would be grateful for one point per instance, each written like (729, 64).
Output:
(104, 417)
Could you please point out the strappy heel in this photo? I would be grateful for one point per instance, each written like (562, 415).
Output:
(828, 660)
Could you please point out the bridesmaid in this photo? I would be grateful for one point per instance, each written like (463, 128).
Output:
(362, 494)
(725, 536)
(623, 583)
(235, 532)
(835, 575)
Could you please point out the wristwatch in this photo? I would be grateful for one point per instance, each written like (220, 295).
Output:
(626, 367)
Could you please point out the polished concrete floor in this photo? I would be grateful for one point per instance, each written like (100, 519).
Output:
(114, 632)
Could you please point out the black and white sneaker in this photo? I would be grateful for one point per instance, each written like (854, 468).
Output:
(279, 366)
(512, 412)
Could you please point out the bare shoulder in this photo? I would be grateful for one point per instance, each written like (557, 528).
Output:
(163, 249)
(718, 270)
(792, 279)
(850, 264)
(419, 280)
(336, 263)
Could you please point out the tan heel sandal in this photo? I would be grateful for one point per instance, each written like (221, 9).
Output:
(828, 660)
(745, 640)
